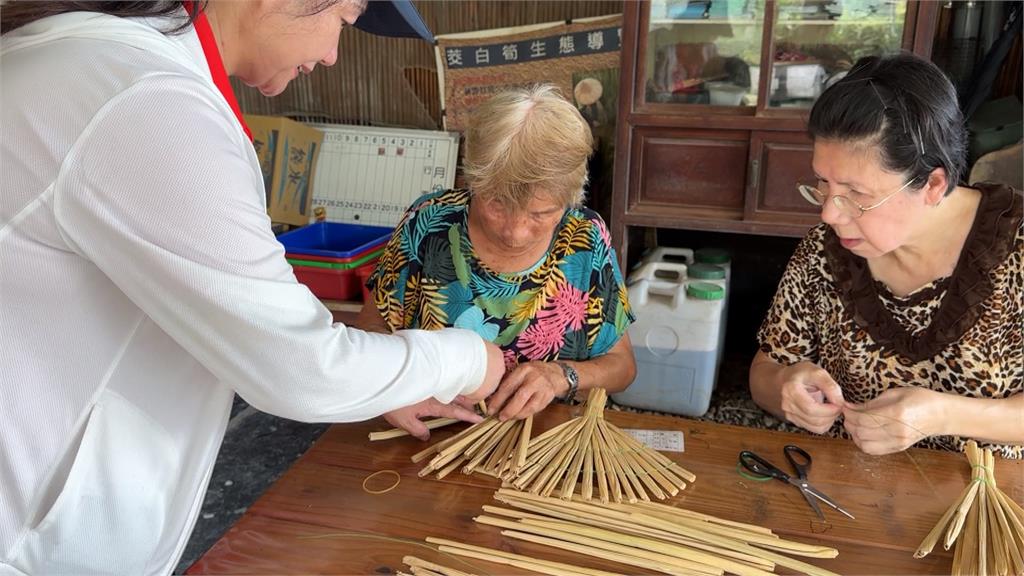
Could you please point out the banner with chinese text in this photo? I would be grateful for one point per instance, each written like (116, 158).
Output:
(580, 57)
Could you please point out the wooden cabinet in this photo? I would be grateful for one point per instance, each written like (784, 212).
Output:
(705, 140)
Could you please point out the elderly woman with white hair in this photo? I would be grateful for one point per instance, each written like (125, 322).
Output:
(516, 258)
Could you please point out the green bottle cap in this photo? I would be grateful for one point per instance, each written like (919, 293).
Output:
(712, 256)
(705, 272)
(705, 291)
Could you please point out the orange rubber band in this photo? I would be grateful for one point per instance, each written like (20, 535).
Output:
(398, 480)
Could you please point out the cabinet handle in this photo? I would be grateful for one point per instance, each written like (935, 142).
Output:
(755, 174)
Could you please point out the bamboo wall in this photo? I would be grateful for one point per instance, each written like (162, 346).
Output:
(393, 82)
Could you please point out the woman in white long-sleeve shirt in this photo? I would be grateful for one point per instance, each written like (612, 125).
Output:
(140, 283)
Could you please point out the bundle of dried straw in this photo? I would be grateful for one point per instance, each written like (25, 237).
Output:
(987, 527)
(490, 447)
(648, 536)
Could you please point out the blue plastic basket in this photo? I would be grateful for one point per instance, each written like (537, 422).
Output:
(335, 239)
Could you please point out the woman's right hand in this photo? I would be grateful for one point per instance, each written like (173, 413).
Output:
(408, 417)
(495, 372)
(811, 399)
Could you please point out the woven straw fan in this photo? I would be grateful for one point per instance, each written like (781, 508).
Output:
(580, 453)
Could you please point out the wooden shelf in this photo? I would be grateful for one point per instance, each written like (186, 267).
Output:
(779, 23)
(736, 225)
(709, 21)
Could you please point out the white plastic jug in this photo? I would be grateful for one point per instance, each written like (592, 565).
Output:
(675, 340)
(713, 274)
(655, 271)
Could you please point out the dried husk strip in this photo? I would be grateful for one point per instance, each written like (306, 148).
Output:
(490, 447)
(432, 424)
(414, 563)
(986, 527)
(518, 560)
(417, 564)
(638, 531)
(746, 551)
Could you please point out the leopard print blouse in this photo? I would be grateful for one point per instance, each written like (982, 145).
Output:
(960, 334)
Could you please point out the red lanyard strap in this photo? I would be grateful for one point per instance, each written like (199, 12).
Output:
(216, 64)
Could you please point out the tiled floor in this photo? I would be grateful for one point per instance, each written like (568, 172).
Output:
(258, 448)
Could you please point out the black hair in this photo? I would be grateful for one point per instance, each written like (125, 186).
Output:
(17, 13)
(904, 105)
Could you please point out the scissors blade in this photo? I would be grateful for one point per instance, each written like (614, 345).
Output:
(808, 489)
(812, 503)
(802, 487)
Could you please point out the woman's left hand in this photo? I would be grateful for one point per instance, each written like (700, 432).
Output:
(528, 389)
(895, 420)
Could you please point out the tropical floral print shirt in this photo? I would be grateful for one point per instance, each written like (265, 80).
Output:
(571, 305)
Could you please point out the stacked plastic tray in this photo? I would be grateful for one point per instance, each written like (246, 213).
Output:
(334, 259)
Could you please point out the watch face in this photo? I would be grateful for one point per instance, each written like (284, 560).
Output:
(574, 381)
(570, 373)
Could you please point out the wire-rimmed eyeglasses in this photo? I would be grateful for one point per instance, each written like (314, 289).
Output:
(846, 205)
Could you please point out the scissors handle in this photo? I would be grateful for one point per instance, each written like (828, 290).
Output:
(761, 467)
(799, 459)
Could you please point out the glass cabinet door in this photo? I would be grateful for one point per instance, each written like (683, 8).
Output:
(704, 52)
(817, 41)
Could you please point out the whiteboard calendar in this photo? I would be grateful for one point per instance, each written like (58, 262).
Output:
(368, 175)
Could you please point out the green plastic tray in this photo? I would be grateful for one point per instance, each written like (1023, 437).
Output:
(336, 265)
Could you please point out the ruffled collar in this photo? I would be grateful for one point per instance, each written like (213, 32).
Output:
(991, 239)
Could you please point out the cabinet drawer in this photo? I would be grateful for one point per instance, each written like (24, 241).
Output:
(779, 162)
(689, 169)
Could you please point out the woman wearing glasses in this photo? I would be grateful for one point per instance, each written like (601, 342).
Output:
(899, 318)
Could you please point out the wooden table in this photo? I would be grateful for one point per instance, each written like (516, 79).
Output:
(318, 519)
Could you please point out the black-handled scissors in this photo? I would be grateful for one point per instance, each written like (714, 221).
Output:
(800, 460)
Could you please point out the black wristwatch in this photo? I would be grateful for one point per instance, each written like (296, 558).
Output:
(574, 382)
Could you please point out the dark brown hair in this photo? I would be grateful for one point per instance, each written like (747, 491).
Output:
(17, 13)
(906, 106)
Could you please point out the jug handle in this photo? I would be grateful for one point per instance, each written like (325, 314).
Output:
(649, 271)
(644, 288)
(670, 251)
